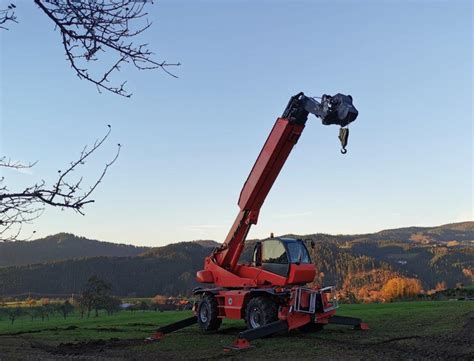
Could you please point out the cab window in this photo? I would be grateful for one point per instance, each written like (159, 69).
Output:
(298, 252)
(274, 252)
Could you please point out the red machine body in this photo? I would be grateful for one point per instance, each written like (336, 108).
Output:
(270, 293)
(281, 288)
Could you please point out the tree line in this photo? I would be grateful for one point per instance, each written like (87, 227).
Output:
(96, 296)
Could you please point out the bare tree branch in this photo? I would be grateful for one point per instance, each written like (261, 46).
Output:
(15, 164)
(90, 28)
(7, 15)
(22, 207)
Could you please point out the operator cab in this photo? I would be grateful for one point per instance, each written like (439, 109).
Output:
(279, 255)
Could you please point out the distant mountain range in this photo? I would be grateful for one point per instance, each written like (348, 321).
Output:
(60, 247)
(62, 263)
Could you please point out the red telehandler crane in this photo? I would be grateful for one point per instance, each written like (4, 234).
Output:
(270, 293)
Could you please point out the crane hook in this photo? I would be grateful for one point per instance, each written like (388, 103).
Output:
(343, 137)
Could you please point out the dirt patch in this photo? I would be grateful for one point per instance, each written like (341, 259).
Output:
(81, 348)
(451, 346)
(398, 339)
(467, 331)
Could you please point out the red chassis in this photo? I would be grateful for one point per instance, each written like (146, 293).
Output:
(294, 305)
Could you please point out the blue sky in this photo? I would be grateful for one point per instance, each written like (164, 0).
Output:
(189, 143)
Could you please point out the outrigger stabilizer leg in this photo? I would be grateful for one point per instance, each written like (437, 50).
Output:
(355, 322)
(244, 338)
(159, 333)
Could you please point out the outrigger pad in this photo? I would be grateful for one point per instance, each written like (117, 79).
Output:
(363, 327)
(155, 336)
(237, 345)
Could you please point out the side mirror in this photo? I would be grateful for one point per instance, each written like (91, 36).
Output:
(311, 243)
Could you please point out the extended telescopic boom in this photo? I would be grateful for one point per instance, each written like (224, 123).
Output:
(337, 109)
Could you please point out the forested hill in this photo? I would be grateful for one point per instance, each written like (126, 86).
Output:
(61, 246)
(357, 264)
(166, 270)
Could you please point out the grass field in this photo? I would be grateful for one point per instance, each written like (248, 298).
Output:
(405, 330)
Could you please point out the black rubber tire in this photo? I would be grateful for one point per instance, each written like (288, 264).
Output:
(260, 311)
(207, 313)
(311, 327)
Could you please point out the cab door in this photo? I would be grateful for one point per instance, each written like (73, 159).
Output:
(274, 257)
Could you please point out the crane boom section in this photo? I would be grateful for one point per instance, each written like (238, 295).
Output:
(273, 155)
(268, 165)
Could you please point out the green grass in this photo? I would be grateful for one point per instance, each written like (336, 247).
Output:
(384, 320)
(124, 324)
(424, 318)
(428, 319)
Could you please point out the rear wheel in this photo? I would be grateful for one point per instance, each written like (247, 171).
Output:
(207, 313)
(260, 311)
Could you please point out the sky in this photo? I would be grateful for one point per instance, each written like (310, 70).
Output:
(189, 143)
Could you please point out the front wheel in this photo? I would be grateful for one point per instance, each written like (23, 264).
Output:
(260, 311)
(207, 313)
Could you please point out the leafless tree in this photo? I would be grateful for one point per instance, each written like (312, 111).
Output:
(90, 29)
(92, 32)
(20, 207)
